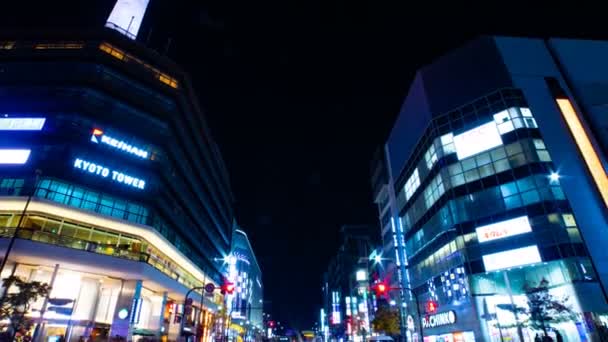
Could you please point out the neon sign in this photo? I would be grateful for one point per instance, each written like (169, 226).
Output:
(439, 319)
(99, 137)
(503, 229)
(105, 172)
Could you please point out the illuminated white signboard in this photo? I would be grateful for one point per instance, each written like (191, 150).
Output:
(476, 140)
(439, 319)
(99, 137)
(514, 257)
(105, 172)
(14, 156)
(361, 275)
(21, 124)
(126, 16)
(503, 229)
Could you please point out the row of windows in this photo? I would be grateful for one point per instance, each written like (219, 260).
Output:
(80, 197)
(506, 120)
(123, 56)
(468, 170)
(83, 198)
(11, 186)
(475, 206)
(95, 239)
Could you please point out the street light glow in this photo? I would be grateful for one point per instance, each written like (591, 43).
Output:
(554, 177)
(378, 258)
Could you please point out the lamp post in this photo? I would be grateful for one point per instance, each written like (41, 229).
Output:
(417, 309)
(14, 236)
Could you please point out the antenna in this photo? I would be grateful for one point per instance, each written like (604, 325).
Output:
(167, 46)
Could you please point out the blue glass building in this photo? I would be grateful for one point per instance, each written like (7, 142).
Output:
(491, 190)
(119, 192)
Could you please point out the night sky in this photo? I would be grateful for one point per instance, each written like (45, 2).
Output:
(299, 96)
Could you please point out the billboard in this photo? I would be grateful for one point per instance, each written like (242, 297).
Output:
(126, 17)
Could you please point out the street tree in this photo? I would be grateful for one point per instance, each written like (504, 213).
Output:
(544, 308)
(16, 304)
(386, 320)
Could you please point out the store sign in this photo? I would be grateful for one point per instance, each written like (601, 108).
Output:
(21, 124)
(477, 140)
(503, 229)
(99, 137)
(439, 319)
(511, 258)
(105, 172)
(14, 156)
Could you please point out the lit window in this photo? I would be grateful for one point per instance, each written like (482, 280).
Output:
(447, 142)
(412, 184)
(168, 80)
(7, 45)
(59, 46)
(430, 157)
(119, 54)
(514, 118)
(433, 191)
(569, 220)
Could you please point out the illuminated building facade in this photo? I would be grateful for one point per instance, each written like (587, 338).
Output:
(493, 200)
(247, 301)
(346, 296)
(113, 186)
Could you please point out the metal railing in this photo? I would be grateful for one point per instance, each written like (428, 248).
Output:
(93, 247)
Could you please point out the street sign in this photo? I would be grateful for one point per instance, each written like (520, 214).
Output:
(209, 288)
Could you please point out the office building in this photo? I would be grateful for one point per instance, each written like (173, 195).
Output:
(113, 186)
(494, 196)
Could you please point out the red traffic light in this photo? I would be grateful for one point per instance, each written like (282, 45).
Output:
(381, 289)
(227, 287)
(431, 306)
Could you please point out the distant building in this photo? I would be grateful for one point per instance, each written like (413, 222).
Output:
(247, 302)
(346, 297)
(492, 189)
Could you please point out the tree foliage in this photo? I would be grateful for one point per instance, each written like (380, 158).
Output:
(386, 320)
(16, 304)
(545, 308)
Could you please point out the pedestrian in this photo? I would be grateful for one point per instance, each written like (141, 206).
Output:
(537, 338)
(558, 336)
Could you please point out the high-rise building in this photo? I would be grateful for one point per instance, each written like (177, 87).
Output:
(492, 192)
(247, 301)
(112, 186)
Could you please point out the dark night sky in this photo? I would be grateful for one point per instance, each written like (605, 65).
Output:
(299, 95)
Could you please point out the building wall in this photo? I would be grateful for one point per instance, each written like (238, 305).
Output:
(476, 141)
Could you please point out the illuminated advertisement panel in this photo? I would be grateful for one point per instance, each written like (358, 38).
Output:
(21, 124)
(14, 156)
(514, 257)
(127, 15)
(477, 140)
(503, 229)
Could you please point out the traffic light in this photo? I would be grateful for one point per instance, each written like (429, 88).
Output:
(227, 288)
(381, 289)
(431, 306)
